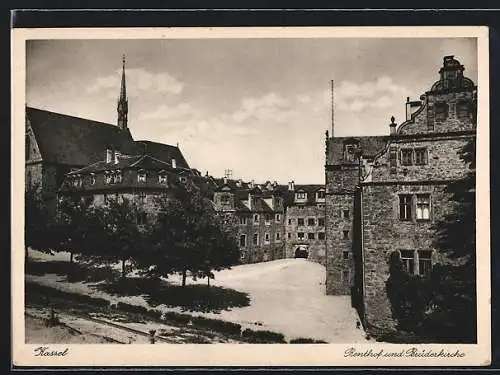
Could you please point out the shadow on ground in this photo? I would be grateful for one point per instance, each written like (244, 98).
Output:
(190, 297)
(73, 272)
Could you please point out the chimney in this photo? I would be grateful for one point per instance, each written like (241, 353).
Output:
(109, 155)
(392, 126)
(225, 180)
(291, 185)
(117, 156)
(250, 200)
(174, 163)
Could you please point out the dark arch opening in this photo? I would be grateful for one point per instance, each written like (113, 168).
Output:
(301, 253)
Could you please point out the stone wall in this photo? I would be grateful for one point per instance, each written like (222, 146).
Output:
(316, 247)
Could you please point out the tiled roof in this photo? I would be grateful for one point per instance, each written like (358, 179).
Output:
(74, 141)
(163, 152)
(137, 162)
(370, 146)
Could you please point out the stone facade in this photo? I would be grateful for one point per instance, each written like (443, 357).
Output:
(396, 188)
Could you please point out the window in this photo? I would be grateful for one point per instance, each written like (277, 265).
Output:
(162, 178)
(92, 179)
(243, 220)
(118, 177)
(440, 111)
(406, 157)
(107, 199)
(141, 176)
(278, 236)
(423, 207)
(311, 222)
(345, 255)
(268, 219)
(420, 156)
(345, 234)
(405, 207)
(142, 197)
(277, 218)
(256, 219)
(300, 196)
(321, 222)
(255, 238)
(320, 194)
(424, 263)
(266, 238)
(300, 221)
(183, 179)
(310, 236)
(349, 154)
(243, 240)
(393, 162)
(289, 235)
(27, 147)
(321, 235)
(346, 214)
(300, 235)
(107, 177)
(407, 258)
(290, 221)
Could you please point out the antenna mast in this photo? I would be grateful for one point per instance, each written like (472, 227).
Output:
(333, 108)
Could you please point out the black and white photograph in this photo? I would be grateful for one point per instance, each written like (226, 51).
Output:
(238, 188)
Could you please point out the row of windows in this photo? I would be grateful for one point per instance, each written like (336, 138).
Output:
(140, 197)
(255, 239)
(310, 235)
(301, 195)
(256, 219)
(414, 206)
(413, 156)
(115, 177)
(310, 221)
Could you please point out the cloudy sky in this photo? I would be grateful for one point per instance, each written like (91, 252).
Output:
(259, 107)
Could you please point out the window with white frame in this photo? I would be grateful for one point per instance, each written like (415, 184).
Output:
(277, 218)
(141, 176)
(408, 261)
(243, 220)
(320, 195)
(142, 196)
(256, 218)
(405, 206)
(255, 238)
(278, 236)
(162, 178)
(424, 263)
(92, 179)
(117, 177)
(301, 195)
(266, 238)
(423, 206)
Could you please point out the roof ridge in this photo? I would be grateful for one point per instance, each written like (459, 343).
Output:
(90, 121)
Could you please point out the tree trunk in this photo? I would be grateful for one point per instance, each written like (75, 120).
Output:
(184, 274)
(123, 268)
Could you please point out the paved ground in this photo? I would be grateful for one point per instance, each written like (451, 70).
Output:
(287, 296)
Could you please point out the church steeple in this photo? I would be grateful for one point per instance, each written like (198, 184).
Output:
(123, 101)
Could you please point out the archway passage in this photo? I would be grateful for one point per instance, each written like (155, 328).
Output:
(301, 253)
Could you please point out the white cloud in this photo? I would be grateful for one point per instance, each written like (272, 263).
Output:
(138, 80)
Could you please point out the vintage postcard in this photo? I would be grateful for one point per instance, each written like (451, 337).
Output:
(213, 196)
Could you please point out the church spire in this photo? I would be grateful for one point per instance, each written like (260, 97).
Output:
(123, 101)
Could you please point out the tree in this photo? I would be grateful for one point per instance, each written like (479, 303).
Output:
(122, 235)
(73, 225)
(37, 229)
(187, 236)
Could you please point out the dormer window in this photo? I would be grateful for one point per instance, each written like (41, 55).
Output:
(183, 179)
(77, 181)
(107, 177)
(320, 195)
(350, 152)
(162, 177)
(92, 179)
(300, 196)
(141, 176)
(118, 177)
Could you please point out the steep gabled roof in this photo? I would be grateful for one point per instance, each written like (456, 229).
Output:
(75, 141)
(370, 146)
(163, 152)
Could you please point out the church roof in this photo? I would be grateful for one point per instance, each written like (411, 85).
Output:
(75, 141)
